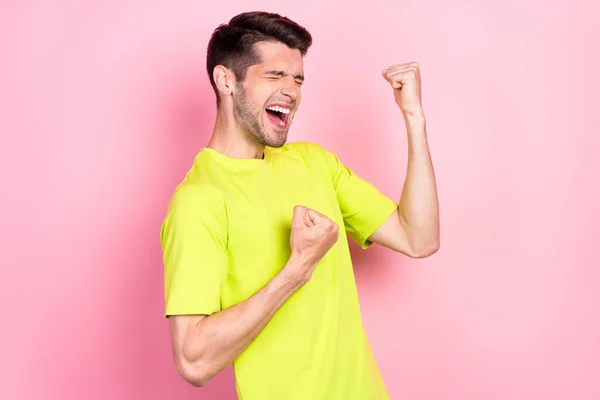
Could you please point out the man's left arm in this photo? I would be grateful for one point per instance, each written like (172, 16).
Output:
(414, 228)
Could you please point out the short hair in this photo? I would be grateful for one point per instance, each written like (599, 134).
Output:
(233, 45)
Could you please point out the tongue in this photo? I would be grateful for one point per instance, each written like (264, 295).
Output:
(275, 118)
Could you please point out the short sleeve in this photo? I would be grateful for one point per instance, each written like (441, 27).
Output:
(193, 237)
(364, 207)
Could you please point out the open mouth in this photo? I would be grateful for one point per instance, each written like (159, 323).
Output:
(278, 115)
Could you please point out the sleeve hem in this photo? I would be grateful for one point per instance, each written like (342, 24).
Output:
(189, 311)
(364, 238)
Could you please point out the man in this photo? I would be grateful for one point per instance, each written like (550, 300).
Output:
(257, 266)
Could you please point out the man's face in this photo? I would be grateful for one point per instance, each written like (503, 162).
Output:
(269, 96)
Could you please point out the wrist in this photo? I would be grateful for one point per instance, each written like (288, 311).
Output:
(414, 118)
(415, 125)
(298, 260)
(286, 280)
(294, 270)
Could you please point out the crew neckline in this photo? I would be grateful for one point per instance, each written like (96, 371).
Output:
(233, 161)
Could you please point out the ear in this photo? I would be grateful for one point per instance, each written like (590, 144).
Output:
(224, 79)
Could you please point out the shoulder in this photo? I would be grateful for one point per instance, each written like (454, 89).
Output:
(196, 198)
(192, 207)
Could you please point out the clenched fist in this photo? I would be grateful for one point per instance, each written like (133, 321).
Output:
(405, 79)
(311, 237)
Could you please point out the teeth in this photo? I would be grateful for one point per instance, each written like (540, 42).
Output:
(279, 109)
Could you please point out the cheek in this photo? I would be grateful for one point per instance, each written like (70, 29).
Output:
(261, 97)
(298, 99)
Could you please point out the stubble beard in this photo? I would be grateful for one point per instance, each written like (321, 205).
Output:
(249, 115)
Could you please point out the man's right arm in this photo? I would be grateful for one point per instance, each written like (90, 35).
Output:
(204, 345)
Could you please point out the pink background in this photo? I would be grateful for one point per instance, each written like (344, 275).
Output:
(104, 106)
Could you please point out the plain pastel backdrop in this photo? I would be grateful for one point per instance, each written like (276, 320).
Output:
(105, 104)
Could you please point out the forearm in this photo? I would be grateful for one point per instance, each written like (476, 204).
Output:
(419, 208)
(217, 340)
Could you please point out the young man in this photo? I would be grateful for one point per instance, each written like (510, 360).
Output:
(257, 266)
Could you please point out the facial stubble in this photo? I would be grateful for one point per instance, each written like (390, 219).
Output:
(249, 115)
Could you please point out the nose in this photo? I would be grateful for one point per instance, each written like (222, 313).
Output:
(290, 88)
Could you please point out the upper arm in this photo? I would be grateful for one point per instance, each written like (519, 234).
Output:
(194, 242)
(364, 208)
(391, 234)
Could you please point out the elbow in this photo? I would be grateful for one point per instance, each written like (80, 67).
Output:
(196, 374)
(198, 381)
(425, 249)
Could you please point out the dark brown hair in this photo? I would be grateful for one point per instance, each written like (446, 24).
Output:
(232, 44)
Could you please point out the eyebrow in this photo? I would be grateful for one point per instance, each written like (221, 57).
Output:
(281, 73)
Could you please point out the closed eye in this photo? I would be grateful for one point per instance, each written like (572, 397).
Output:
(273, 75)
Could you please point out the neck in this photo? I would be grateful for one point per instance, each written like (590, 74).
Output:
(230, 138)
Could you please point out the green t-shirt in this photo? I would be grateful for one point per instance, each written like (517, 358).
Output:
(226, 235)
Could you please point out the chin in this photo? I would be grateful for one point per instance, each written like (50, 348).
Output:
(276, 143)
(274, 138)
(273, 134)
